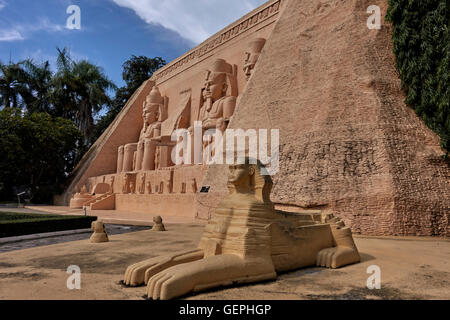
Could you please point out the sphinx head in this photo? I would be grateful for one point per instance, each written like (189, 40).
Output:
(247, 178)
(157, 219)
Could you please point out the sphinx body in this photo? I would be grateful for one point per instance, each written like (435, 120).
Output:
(246, 241)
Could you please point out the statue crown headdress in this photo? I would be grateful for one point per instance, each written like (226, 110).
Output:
(153, 99)
(155, 96)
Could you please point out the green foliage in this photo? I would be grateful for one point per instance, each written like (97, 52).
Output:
(16, 224)
(13, 88)
(37, 153)
(47, 119)
(136, 70)
(80, 91)
(422, 47)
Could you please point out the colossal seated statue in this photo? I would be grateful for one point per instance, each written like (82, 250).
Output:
(219, 95)
(141, 155)
(246, 241)
(251, 58)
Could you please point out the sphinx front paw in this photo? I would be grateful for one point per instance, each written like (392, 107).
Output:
(337, 257)
(169, 284)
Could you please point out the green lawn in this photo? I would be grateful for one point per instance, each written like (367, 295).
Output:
(15, 224)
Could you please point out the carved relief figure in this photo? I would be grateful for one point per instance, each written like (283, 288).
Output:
(263, 242)
(111, 181)
(169, 185)
(194, 186)
(142, 184)
(251, 58)
(125, 183)
(149, 187)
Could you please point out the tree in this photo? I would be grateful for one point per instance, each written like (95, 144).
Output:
(13, 90)
(38, 153)
(136, 70)
(81, 91)
(422, 48)
(40, 87)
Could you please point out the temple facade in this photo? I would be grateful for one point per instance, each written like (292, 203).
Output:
(349, 146)
(131, 164)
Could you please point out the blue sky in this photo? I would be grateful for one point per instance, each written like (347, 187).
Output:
(112, 30)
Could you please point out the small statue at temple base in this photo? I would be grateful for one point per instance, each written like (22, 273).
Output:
(99, 234)
(246, 241)
(158, 225)
(80, 198)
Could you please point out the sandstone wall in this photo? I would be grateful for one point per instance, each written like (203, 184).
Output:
(349, 144)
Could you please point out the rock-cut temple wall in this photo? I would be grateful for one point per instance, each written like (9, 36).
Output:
(349, 144)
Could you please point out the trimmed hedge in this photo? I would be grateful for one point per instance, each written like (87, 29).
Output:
(22, 224)
(422, 48)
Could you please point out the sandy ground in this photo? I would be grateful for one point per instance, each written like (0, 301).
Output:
(411, 268)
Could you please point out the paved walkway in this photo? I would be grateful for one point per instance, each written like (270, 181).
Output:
(19, 210)
(116, 216)
(83, 234)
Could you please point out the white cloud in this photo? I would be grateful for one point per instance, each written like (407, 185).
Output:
(46, 25)
(10, 35)
(2, 4)
(195, 20)
(20, 32)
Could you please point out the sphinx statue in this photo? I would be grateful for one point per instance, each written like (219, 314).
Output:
(246, 241)
(99, 234)
(158, 224)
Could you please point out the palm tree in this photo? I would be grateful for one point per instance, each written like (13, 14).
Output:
(13, 90)
(81, 91)
(39, 82)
